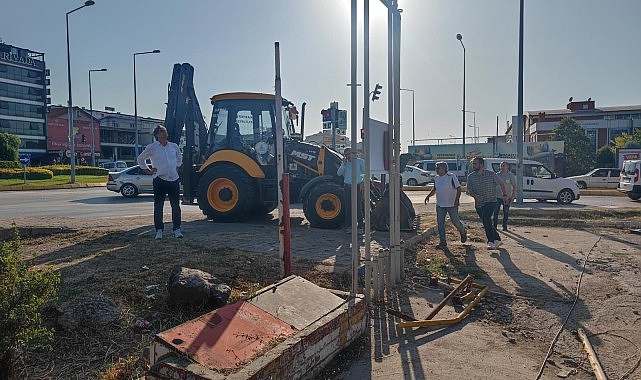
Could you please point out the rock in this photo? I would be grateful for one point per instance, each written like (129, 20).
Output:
(88, 310)
(196, 288)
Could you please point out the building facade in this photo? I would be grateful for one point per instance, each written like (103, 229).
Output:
(601, 124)
(114, 135)
(24, 90)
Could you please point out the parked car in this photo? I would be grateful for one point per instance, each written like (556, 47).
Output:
(630, 181)
(414, 176)
(599, 177)
(458, 167)
(539, 182)
(114, 166)
(131, 182)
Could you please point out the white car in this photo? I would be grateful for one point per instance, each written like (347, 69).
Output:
(539, 182)
(599, 177)
(630, 182)
(414, 176)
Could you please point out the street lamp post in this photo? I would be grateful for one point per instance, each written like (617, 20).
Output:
(93, 150)
(413, 125)
(69, 101)
(473, 125)
(460, 38)
(135, 99)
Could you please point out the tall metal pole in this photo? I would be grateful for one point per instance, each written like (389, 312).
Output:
(70, 101)
(460, 38)
(366, 150)
(413, 125)
(519, 122)
(356, 252)
(136, 148)
(93, 149)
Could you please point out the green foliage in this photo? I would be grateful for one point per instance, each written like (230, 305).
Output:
(10, 165)
(579, 152)
(9, 145)
(23, 292)
(627, 141)
(32, 173)
(80, 170)
(605, 157)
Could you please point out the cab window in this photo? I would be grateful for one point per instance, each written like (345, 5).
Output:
(537, 171)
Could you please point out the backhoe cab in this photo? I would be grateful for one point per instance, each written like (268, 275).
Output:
(238, 177)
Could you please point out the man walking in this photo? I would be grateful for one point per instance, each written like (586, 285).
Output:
(166, 158)
(481, 185)
(509, 180)
(448, 195)
(346, 171)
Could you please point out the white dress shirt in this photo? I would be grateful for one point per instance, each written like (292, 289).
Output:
(166, 159)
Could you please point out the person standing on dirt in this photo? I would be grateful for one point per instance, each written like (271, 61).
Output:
(509, 181)
(166, 158)
(448, 194)
(481, 185)
(346, 171)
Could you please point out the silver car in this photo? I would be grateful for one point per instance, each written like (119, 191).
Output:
(131, 182)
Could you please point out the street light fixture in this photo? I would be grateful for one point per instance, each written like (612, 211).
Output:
(135, 100)
(70, 102)
(413, 125)
(473, 125)
(93, 152)
(460, 38)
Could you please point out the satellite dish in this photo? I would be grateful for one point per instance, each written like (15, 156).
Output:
(569, 100)
(589, 99)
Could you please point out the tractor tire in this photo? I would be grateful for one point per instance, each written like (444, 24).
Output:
(323, 206)
(226, 193)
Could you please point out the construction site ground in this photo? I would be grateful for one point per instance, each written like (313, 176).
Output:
(557, 270)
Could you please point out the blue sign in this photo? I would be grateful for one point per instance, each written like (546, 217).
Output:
(25, 158)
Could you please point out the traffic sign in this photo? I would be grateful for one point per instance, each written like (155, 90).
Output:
(25, 158)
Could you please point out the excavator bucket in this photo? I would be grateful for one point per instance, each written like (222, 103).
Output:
(380, 214)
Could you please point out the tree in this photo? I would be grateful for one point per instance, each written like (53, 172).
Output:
(579, 151)
(9, 145)
(628, 141)
(23, 291)
(605, 157)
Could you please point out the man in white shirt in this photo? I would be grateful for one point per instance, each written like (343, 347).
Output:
(448, 194)
(165, 158)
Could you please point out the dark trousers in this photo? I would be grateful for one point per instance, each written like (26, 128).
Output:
(360, 211)
(485, 212)
(497, 209)
(170, 189)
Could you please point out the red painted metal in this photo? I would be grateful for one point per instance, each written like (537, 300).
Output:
(228, 338)
(287, 231)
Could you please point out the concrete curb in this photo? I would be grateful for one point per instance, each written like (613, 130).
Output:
(52, 187)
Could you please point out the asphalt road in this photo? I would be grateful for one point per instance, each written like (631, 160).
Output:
(98, 202)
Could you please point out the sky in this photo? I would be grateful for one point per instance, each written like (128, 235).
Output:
(572, 48)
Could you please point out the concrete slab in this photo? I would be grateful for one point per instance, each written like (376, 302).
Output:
(296, 301)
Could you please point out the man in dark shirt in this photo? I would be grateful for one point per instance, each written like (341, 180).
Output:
(481, 185)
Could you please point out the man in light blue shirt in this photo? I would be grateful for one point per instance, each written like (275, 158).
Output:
(346, 171)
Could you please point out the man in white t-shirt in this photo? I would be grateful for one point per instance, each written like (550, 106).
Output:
(448, 194)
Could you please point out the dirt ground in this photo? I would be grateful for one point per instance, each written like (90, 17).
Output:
(533, 296)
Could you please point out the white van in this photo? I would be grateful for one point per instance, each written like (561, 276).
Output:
(114, 166)
(457, 167)
(539, 182)
(630, 181)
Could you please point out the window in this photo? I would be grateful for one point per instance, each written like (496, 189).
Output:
(537, 171)
(600, 173)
